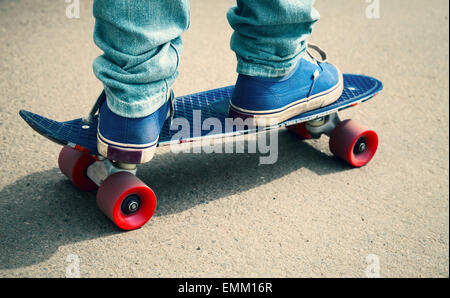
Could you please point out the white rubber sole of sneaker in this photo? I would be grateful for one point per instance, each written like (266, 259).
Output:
(121, 153)
(273, 117)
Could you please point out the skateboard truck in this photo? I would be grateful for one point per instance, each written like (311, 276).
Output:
(121, 196)
(349, 140)
(100, 170)
(322, 125)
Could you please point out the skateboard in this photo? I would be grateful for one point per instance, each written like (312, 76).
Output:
(129, 203)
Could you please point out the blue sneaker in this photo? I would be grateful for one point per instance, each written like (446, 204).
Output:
(311, 85)
(130, 140)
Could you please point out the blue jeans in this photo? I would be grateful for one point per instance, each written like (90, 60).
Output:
(141, 41)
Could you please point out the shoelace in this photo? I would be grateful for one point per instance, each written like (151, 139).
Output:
(323, 59)
(88, 119)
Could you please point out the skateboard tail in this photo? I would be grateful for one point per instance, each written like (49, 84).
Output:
(41, 125)
(75, 133)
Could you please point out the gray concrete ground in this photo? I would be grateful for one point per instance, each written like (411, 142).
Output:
(222, 215)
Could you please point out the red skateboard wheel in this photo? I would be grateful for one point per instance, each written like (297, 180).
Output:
(73, 164)
(353, 143)
(300, 130)
(126, 200)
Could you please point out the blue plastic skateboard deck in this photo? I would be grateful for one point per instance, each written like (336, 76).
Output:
(195, 109)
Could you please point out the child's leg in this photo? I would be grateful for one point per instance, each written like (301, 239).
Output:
(270, 35)
(142, 47)
(141, 41)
